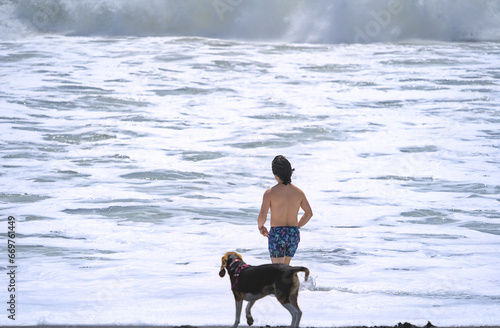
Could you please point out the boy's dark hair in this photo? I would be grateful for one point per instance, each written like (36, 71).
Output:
(283, 169)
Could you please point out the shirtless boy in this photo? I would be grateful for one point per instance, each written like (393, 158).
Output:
(285, 201)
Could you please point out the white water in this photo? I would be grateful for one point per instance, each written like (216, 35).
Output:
(133, 163)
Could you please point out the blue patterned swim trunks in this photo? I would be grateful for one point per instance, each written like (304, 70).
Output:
(283, 241)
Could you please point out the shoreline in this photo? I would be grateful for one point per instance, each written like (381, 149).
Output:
(399, 325)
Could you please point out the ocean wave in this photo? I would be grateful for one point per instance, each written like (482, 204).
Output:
(300, 21)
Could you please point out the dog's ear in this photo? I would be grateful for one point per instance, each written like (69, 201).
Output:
(222, 271)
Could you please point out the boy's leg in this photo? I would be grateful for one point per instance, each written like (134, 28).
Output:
(278, 260)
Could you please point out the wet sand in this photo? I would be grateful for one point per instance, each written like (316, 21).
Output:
(399, 325)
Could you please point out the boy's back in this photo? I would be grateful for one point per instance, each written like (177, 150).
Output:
(285, 201)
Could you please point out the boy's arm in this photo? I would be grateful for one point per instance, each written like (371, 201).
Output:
(264, 209)
(308, 213)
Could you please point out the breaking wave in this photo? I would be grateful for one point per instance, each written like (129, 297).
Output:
(301, 21)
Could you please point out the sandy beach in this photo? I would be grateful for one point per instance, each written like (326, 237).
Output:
(399, 325)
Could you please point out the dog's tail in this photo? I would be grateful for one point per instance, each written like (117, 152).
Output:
(301, 269)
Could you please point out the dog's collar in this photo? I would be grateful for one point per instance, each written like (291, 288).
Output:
(233, 263)
(236, 274)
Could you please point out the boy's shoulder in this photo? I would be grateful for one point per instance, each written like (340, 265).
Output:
(298, 190)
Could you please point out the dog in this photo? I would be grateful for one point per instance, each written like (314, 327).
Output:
(251, 283)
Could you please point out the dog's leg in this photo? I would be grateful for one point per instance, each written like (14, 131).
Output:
(248, 313)
(294, 303)
(239, 305)
(295, 312)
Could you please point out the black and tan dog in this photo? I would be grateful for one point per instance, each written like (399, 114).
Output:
(251, 283)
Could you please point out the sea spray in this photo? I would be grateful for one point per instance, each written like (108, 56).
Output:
(304, 21)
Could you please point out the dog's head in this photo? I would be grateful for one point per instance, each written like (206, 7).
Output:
(227, 259)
